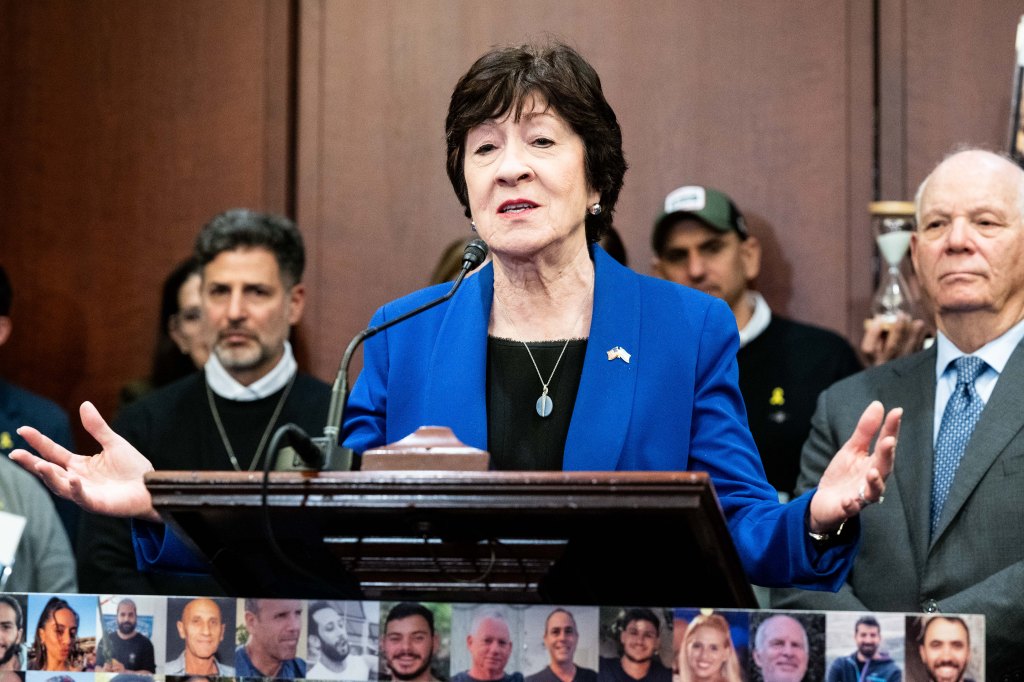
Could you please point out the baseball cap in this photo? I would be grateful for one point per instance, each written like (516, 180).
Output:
(713, 208)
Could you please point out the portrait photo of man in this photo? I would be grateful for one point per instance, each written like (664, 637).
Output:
(490, 639)
(944, 648)
(12, 632)
(568, 644)
(273, 631)
(343, 637)
(641, 644)
(196, 637)
(412, 635)
(787, 648)
(125, 647)
(865, 647)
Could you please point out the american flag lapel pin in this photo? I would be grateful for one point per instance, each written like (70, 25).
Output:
(619, 353)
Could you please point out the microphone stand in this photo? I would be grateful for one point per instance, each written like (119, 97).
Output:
(325, 452)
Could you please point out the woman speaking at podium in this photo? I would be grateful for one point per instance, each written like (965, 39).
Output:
(554, 356)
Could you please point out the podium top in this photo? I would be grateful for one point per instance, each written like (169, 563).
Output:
(574, 537)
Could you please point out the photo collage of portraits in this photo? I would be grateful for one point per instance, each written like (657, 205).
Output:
(122, 638)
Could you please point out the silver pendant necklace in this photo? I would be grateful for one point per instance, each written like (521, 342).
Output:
(544, 404)
(266, 432)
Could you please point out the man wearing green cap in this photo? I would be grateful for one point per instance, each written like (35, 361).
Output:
(701, 240)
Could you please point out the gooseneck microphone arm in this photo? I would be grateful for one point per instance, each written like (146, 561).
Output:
(474, 254)
(326, 451)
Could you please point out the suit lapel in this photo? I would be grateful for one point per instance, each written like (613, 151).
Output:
(913, 388)
(604, 402)
(1000, 421)
(456, 386)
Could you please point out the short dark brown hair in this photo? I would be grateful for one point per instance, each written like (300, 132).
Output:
(501, 81)
(407, 609)
(640, 613)
(927, 623)
(244, 229)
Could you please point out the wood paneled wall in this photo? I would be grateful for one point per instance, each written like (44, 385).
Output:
(945, 70)
(771, 103)
(959, 65)
(126, 125)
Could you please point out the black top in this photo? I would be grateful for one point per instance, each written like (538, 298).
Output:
(174, 428)
(548, 675)
(782, 371)
(610, 670)
(518, 438)
(134, 653)
(464, 676)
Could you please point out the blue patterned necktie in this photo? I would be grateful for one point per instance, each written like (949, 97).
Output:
(958, 420)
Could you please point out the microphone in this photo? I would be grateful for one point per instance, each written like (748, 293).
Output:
(335, 457)
(473, 257)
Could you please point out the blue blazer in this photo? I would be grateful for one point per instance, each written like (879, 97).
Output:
(674, 406)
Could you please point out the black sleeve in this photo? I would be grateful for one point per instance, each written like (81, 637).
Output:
(146, 659)
(106, 559)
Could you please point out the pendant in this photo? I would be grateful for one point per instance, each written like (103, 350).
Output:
(544, 405)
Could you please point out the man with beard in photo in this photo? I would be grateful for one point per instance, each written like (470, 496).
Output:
(327, 630)
(868, 662)
(410, 642)
(640, 639)
(945, 649)
(125, 650)
(12, 633)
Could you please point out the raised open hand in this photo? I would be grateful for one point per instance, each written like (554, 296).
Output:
(856, 477)
(110, 482)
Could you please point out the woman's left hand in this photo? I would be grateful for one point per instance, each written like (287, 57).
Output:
(856, 477)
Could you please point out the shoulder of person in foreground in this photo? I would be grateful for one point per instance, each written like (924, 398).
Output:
(44, 561)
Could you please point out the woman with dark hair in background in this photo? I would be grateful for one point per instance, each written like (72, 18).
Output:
(181, 346)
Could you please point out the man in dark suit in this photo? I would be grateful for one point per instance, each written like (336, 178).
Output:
(950, 536)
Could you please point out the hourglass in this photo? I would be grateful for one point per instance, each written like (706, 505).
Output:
(892, 223)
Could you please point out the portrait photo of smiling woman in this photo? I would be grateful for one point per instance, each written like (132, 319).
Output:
(707, 652)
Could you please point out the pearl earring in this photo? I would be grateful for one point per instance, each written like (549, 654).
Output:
(595, 209)
(472, 225)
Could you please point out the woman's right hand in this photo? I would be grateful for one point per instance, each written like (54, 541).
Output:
(110, 482)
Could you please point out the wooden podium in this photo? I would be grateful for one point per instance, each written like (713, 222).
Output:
(556, 537)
